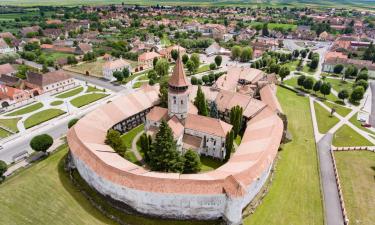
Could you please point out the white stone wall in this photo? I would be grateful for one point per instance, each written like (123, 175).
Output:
(178, 104)
(59, 86)
(180, 206)
(212, 148)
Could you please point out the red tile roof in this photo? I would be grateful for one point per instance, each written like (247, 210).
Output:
(178, 78)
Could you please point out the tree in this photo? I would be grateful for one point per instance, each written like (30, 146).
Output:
(300, 80)
(236, 119)
(265, 31)
(213, 110)
(284, 72)
(163, 155)
(185, 58)
(308, 83)
(41, 143)
(357, 94)
(190, 66)
(192, 162)
(174, 54)
(162, 67)
(113, 139)
(303, 53)
(205, 79)
(369, 53)
(235, 52)
(212, 66)
(163, 96)
(195, 59)
(314, 61)
(3, 168)
(72, 122)
(295, 53)
(246, 54)
(125, 73)
(45, 69)
(325, 89)
(317, 86)
(338, 68)
(343, 94)
(363, 75)
(145, 144)
(118, 75)
(218, 60)
(201, 103)
(154, 61)
(351, 71)
(362, 83)
(229, 138)
(194, 80)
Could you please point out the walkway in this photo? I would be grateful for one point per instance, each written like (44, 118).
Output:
(134, 148)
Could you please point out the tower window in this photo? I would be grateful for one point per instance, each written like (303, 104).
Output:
(182, 102)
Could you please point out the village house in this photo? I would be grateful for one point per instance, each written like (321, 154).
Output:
(167, 52)
(51, 82)
(145, 60)
(7, 69)
(216, 49)
(13, 96)
(27, 30)
(112, 66)
(5, 48)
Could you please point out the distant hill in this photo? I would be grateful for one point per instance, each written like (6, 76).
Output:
(364, 4)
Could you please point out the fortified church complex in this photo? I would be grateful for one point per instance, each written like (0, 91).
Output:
(222, 193)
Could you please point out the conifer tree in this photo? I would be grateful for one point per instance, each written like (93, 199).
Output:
(201, 103)
(236, 119)
(229, 138)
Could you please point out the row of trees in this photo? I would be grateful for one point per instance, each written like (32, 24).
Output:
(121, 75)
(241, 54)
(206, 79)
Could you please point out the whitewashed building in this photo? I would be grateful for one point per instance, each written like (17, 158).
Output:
(5, 48)
(115, 65)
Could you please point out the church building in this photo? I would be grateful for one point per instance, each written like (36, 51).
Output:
(203, 134)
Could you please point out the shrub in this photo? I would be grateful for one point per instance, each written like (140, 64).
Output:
(41, 143)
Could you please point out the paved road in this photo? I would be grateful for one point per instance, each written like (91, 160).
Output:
(97, 81)
(333, 213)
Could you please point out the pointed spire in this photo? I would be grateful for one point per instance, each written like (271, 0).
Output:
(178, 78)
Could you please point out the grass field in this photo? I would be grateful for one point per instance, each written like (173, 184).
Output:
(43, 194)
(27, 109)
(70, 93)
(324, 119)
(87, 99)
(10, 123)
(94, 68)
(41, 117)
(55, 103)
(357, 171)
(294, 196)
(56, 55)
(292, 65)
(357, 123)
(93, 89)
(208, 164)
(4, 133)
(341, 110)
(128, 137)
(347, 137)
(273, 26)
(308, 70)
(139, 84)
(338, 84)
(203, 68)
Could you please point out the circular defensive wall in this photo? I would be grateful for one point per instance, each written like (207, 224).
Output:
(222, 193)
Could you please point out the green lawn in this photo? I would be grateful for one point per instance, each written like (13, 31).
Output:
(203, 68)
(357, 171)
(87, 99)
(130, 156)
(208, 163)
(338, 84)
(308, 70)
(93, 89)
(4, 133)
(26, 109)
(294, 196)
(43, 194)
(55, 103)
(42, 116)
(292, 65)
(94, 68)
(10, 123)
(347, 137)
(70, 93)
(56, 55)
(324, 119)
(238, 140)
(128, 137)
(357, 123)
(139, 84)
(341, 110)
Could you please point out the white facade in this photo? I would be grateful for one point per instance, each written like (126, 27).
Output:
(59, 86)
(109, 70)
(178, 104)
(7, 49)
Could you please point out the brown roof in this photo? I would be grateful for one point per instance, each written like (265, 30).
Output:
(3, 44)
(191, 142)
(6, 69)
(85, 47)
(178, 78)
(176, 126)
(157, 114)
(42, 80)
(207, 125)
(9, 80)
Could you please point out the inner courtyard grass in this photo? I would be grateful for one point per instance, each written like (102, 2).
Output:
(55, 103)
(324, 119)
(93, 89)
(294, 196)
(70, 93)
(27, 109)
(339, 84)
(87, 99)
(341, 110)
(10, 123)
(347, 137)
(208, 163)
(42, 116)
(4, 133)
(357, 171)
(128, 137)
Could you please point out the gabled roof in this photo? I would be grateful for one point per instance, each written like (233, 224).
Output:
(207, 125)
(6, 69)
(42, 80)
(178, 78)
(157, 114)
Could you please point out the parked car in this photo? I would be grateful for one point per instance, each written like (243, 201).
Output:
(366, 125)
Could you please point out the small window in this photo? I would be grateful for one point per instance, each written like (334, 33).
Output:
(182, 102)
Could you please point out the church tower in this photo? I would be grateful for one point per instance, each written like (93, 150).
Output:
(178, 92)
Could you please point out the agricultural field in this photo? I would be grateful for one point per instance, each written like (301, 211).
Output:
(93, 68)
